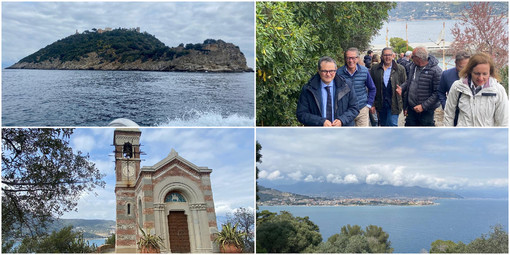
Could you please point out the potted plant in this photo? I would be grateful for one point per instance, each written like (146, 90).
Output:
(230, 239)
(149, 243)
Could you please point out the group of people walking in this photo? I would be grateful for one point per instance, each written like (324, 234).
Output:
(350, 95)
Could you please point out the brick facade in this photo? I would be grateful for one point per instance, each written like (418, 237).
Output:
(144, 196)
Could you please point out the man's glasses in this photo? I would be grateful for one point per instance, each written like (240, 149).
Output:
(328, 71)
(351, 58)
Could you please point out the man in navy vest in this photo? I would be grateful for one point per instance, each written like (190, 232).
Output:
(362, 83)
(327, 99)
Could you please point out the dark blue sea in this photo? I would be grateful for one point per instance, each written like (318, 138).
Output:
(411, 228)
(95, 98)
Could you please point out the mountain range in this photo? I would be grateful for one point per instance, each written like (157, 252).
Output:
(334, 190)
(91, 229)
(128, 49)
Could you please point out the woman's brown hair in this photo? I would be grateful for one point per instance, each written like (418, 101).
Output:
(479, 58)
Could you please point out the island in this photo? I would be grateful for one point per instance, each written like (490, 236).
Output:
(131, 50)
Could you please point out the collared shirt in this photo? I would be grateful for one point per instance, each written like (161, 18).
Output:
(325, 97)
(386, 76)
(475, 88)
(355, 70)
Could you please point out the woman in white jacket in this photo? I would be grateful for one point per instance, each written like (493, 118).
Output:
(478, 97)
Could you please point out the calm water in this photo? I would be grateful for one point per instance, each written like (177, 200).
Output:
(95, 98)
(418, 31)
(411, 229)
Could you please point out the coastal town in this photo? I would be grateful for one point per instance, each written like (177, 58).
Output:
(347, 202)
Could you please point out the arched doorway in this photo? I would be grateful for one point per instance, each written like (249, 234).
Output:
(178, 231)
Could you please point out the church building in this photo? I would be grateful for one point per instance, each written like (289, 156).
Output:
(172, 199)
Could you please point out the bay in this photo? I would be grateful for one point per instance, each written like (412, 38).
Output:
(418, 31)
(95, 98)
(411, 228)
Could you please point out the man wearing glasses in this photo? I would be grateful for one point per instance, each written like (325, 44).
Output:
(327, 99)
(388, 76)
(362, 83)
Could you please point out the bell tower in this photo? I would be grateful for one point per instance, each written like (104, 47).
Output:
(127, 156)
(127, 170)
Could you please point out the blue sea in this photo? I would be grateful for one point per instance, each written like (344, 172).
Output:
(411, 228)
(95, 98)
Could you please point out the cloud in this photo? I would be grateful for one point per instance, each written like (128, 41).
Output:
(348, 179)
(351, 178)
(90, 206)
(373, 178)
(83, 143)
(31, 26)
(297, 176)
(223, 208)
(275, 175)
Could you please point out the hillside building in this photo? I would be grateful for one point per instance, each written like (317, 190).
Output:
(172, 199)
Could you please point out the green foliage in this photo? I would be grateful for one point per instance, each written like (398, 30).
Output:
(110, 240)
(440, 246)
(284, 62)
(63, 241)
(495, 242)
(258, 155)
(149, 241)
(41, 179)
(503, 73)
(121, 44)
(230, 235)
(244, 218)
(353, 239)
(399, 45)
(292, 36)
(284, 233)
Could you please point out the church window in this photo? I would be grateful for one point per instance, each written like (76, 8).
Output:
(140, 213)
(129, 209)
(174, 197)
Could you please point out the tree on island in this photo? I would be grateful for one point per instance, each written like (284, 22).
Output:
(292, 36)
(41, 179)
(495, 242)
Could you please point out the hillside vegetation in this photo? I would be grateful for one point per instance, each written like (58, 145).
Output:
(127, 49)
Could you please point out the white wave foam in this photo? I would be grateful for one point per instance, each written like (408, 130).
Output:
(209, 119)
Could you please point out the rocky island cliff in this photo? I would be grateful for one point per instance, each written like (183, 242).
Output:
(130, 50)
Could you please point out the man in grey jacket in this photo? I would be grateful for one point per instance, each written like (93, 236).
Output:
(420, 90)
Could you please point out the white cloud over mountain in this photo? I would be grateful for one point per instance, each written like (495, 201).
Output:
(437, 159)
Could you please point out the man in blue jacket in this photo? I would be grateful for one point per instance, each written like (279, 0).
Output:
(362, 83)
(327, 99)
(449, 76)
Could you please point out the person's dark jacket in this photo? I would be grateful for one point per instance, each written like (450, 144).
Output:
(309, 108)
(368, 61)
(448, 77)
(397, 77)
(427, 85)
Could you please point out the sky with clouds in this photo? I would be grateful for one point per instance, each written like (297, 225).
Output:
(30, 26)
(229, 152)
(447, 159)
